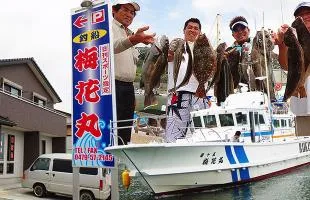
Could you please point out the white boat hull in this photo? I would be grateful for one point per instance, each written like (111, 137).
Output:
(173, 167)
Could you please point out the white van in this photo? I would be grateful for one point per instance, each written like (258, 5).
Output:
(53, 173)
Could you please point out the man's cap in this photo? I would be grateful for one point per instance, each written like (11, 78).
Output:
(134, 4)
(243, 23)
(304, 4)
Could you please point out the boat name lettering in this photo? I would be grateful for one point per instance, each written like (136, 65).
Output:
(304, 147)
(208, 159)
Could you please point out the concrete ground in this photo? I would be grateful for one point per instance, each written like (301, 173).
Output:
(16, 192)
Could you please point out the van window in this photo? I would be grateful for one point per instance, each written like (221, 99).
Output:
(41, 164)
(62, 166)
(88, 171)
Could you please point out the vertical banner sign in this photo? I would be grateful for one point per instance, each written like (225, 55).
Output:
(92, 87)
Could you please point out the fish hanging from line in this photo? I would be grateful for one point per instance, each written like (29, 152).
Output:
(154, 66)
(258, 60)
(204, 63)
(296, 68)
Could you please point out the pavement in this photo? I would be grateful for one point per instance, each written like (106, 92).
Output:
(17, 192)
(6, 188)
(10, 186)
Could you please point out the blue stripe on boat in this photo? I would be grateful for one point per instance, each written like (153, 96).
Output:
(229, 155)
(241, 155)
(248, 134)
(234, 175)
(244, 174)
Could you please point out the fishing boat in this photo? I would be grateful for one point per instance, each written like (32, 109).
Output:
(207, 157)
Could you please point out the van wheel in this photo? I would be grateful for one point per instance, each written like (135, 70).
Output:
(39, 190)
(86, 195)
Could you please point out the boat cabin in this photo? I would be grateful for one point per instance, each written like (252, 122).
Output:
(248, 113)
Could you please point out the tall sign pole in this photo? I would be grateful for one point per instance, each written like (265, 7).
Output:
(93, 87)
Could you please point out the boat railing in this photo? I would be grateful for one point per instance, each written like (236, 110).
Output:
(210, 130)
(135, 121)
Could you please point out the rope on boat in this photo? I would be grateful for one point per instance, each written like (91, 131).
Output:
(138, 170)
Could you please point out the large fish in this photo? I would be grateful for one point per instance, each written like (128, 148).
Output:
(204, 63)
(258, 60)
(233, 58)
(220, 56)
(179, 47)
(223, 80)
(304, 40)
(245, 67)
(154, 66)
(295, 65)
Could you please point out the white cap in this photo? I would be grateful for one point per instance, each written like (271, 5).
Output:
(239, 23)
(134, 4)
(302, 4)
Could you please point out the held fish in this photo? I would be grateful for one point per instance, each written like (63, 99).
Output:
(233, 58)
(258, 60)
(189, 68)
(177, 46)
(220, 56)
(304, 40)
(204, 63)
(295, 65)
(224, 85)
(154, 66)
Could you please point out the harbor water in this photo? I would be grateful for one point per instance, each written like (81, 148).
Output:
(291, 186)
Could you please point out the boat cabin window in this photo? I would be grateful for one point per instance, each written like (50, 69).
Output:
(197, 122)
(226, 119)
(290, 123)
(283, 123)
(210, 121)
(259, 119)
(276, 123)
(241, 118)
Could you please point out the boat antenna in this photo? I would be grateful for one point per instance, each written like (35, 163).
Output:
(282, 11)
(265, 58)
(218, 17)
(267, 76)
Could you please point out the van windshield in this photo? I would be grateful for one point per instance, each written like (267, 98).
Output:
(41, 164)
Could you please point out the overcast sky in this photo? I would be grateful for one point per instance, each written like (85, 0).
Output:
(42, 29)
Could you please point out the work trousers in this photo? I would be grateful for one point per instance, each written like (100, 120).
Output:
(125, 106)
(178, 114)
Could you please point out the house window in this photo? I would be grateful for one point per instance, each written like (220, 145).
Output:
(13, 90)
(10, 154)
(1, 146)
(43, 146)
(1, 152)
(1, 168)
(39, 101)
(11, 147)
